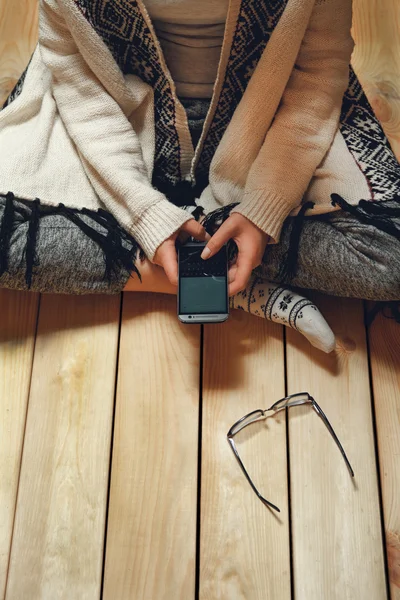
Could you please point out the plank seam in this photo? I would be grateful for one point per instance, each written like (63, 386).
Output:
(22, 449)
(199, 457)
(111, 450)
(376, 449)
(288, 468)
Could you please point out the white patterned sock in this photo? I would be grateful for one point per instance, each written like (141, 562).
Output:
(281, 305)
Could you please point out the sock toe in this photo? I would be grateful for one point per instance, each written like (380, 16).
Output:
(314, 327)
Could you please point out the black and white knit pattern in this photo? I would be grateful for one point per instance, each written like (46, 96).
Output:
(367, 142)
(15, 92)
(283, 305)
(256, 22)
(123, 29)
(271, 301)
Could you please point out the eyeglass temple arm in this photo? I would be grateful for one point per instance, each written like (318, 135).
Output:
(333, 434)
(233, 446)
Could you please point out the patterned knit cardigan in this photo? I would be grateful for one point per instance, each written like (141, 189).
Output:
(94, 127)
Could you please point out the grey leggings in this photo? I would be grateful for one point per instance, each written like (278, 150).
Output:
(337, 254)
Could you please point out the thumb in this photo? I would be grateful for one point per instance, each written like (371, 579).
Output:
(220, 237)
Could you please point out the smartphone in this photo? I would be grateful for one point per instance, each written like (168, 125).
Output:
(202, 284)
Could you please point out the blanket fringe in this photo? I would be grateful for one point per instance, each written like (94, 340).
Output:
(215, 219)
(115, 254)
(30, 253)
(375, 213)
(5, 231)
(379, 215)
(289, 265)
(381, 307)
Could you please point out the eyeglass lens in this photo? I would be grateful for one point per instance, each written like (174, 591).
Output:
(246, 420)
(294, 400)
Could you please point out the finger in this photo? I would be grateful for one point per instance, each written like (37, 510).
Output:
(220, 237)
(170, 263)
(183, 237)
(242, 275)
(196, 230)
(232, 274)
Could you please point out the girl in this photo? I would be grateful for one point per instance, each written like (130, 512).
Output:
(138, 123)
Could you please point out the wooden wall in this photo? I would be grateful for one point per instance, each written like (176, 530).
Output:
(376, 60)
(18, 36)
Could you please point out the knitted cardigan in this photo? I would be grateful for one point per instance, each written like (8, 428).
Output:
(94, 125)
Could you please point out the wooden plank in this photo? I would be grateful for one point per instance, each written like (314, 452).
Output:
(17, 338)
(384, 337)
(57, 549)
(244, 550)
(18, 37)
(376, 31)
(151, 533)
(337, 537)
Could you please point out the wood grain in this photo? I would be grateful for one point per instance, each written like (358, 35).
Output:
(337, 537)
(376, 60)
(244, 549)
(57, 549)
(151, 534)
(17, 338)
(18, 38)
(384, 338)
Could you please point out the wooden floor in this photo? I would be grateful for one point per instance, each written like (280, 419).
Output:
(116, 477)
(108, 403)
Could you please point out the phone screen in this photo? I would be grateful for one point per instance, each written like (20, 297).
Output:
(202, 283)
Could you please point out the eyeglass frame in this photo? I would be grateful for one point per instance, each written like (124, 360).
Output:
(262, 415)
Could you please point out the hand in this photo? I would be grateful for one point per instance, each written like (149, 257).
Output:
(251, 242)
(166, 255)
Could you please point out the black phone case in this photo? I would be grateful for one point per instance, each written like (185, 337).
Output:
(216, 261)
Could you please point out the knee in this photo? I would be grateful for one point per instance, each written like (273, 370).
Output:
(386, 284)
(370, 258)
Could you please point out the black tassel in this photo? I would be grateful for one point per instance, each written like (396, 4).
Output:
(214, 219)
(115, 236)
(198, 212)
(379, 208)
(6, 231)
(217, 217)
(116, 253)
(372, 213)
(381, 307)
(30, 250)
(114, 239)
(288, 267)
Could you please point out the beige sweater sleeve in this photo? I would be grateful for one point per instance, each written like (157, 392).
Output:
(107, 144)
(306, 120)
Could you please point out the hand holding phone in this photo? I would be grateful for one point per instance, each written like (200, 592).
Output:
(251, 242)
(202, 285)
(166, 253)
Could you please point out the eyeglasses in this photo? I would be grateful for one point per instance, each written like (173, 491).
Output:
(257, 415)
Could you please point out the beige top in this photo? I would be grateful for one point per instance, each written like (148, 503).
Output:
(190, 33)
